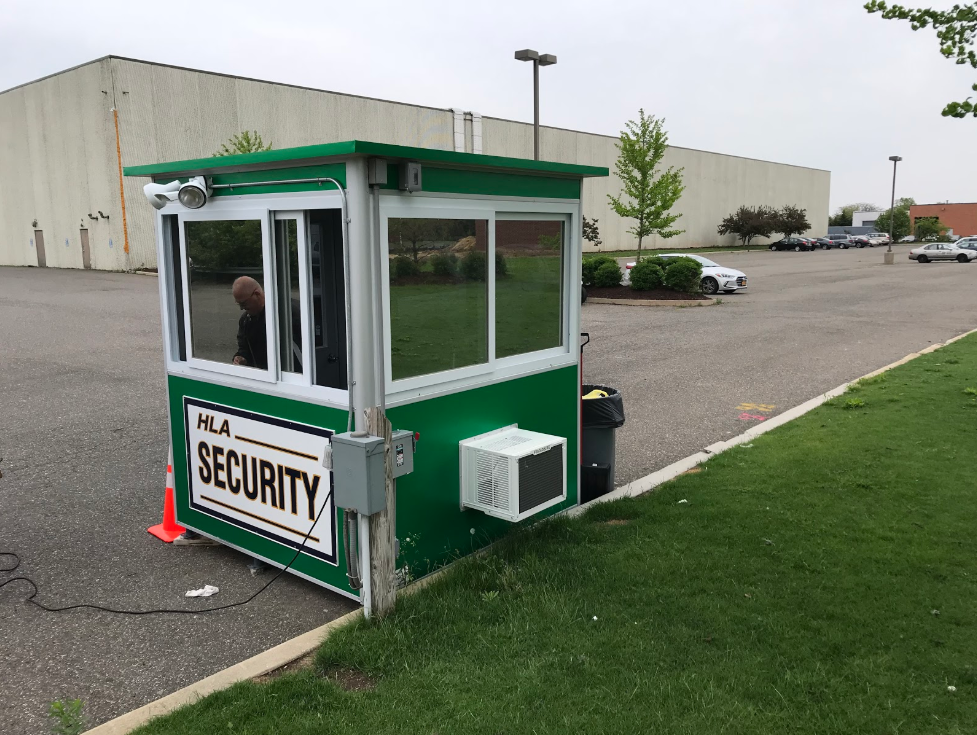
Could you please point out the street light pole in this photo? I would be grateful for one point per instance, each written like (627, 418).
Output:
(892, 208)
(538, 61)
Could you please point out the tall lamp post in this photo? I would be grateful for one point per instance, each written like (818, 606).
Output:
(538, 61)
(892, 209)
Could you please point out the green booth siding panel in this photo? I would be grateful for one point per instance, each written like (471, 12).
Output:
(432, 528)
(331, 170)
(440, 180)
(291, 410)
(430, 525)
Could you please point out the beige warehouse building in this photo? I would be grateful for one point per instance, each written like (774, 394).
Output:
(63, 139)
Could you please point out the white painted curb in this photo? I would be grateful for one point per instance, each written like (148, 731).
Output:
(649, 482)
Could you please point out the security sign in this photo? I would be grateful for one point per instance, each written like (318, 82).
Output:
(262, 474)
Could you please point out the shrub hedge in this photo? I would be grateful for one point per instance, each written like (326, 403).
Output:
(685, 275)
(647, 276)
(590, 266)
(473, 266)
(404, 267)
(608, 274)
(444, 264)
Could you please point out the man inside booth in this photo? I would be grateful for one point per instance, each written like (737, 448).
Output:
(252, 338)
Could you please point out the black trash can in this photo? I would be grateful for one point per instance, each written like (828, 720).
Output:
(601, 418)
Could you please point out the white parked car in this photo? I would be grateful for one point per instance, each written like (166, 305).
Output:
(908, 238)
(715, 277)
(878, 238)
(942, 251)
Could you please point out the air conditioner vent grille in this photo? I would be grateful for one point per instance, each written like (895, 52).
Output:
(540, 478)
(492, 478)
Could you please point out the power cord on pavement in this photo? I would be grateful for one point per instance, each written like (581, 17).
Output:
(30, 598)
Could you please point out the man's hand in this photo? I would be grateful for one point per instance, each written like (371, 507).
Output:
(238, 360)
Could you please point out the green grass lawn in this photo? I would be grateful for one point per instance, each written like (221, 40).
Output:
(821, 580)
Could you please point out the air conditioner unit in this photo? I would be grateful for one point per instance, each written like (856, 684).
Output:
(512, 473)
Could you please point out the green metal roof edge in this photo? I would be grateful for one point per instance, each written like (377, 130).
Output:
(364, 148)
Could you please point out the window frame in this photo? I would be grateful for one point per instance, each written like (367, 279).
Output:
(263, 215)
(234, 207)
(490, 210)
(301, 218)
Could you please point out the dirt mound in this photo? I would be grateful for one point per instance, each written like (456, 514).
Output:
(465, 245)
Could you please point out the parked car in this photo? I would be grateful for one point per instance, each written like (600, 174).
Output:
(907, 238)
(878, 238)
(824, 243)
(841, 241)
(792, 243)
(715, 277)
(942, 251)
(967, 242)
(860, 241)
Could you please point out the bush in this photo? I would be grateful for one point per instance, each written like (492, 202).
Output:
(647, 276)
(444, 264)
(473, 266)
(685, 275)
(609, 274)
(662, 263)
(590, 266)
(501, 267)
(404, 267)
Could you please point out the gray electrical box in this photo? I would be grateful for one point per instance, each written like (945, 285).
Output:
(358, 473)
(402, 452)
(377, 171)
(410, 176)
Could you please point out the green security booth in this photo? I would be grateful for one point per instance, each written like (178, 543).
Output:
(302, 287)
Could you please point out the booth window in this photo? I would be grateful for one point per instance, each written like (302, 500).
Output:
(528, 285)
(289, 295)
(438, 295)
(224, 326)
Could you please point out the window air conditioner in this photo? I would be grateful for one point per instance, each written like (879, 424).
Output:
(512, 473)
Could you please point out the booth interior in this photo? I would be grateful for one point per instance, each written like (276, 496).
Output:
(302, 287)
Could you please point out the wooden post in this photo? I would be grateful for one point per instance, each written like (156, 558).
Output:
(383, 526)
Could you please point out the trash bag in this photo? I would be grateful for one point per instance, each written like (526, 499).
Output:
(602, 412)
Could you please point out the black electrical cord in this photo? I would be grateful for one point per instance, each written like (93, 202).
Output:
(270, 582)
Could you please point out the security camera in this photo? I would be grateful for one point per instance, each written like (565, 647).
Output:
(159, 195)
(195, 193)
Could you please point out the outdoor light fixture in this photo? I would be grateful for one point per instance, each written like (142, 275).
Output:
(159, 195)
(194, 193)
(527, 54)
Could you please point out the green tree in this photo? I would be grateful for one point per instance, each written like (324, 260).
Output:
(246, 142)
(792, 221)
(647, 196)
(900, 222)
(927, 227)
(843, 216)
(749, 222)
(590, 232)
(956, 30)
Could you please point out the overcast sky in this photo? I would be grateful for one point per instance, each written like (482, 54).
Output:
(815, 83)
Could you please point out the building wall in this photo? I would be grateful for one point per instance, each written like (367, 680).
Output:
(961, 218)
(716, 184)
(58, 164)
(864, 219)
(57, 135)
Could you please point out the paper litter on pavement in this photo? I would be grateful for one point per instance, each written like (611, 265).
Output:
(206, 591)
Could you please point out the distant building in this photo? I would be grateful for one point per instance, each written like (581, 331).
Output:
(960, 219)
(864, 219)
(64, 140)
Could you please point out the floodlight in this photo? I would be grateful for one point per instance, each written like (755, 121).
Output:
(159, 195)
(527, 54)
(195, 193)
(547, 59)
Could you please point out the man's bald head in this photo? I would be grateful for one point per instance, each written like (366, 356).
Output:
(249, 295)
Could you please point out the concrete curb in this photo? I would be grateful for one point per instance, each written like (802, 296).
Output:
(649, 302)
(264, 662)
(287, 652)
(146, 273)
(649, 482)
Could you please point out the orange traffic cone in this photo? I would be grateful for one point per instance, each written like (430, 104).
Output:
(168, 529)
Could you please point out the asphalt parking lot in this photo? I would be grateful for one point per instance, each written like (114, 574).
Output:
(808, 322)
(83, 437)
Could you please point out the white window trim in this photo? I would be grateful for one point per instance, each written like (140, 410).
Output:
(421, 386)
(230, 207)
(262, 214)
(305, 280)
